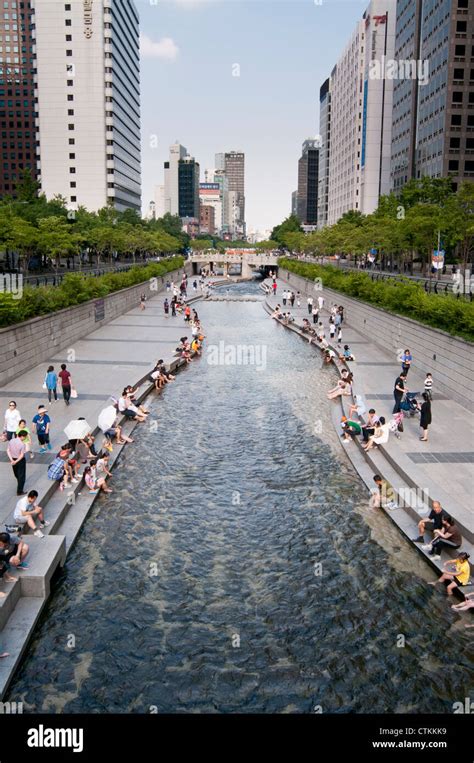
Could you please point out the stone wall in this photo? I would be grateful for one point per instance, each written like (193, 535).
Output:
(34, 341)
(449, 359)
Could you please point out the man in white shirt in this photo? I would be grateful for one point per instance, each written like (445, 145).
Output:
(26, 511)
(310, 304)
(321, 302)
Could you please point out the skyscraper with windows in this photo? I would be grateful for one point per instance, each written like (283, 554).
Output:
(232, 163)
(88, 89)
(324, 149)
(433, 123)
(17, 92)
(307, 193)
(188, 188)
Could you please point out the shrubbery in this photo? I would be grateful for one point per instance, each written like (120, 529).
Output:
(75, 289)
(400, 297)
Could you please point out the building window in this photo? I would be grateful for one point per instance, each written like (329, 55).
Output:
(461, 26)
(68, 37)
(460, 50)
(67, 7)
(457, 96)
(456, 119)
(70, 82)
(69, 52)
(458, 74)
(468, 166)
(70, 127)
(68, 22)
(72, 141)
(73, 156)
(72, 184)
(70, 97)
(72, 170)
(453, 165)
(70, 112)
(73, 198)
(455, 143)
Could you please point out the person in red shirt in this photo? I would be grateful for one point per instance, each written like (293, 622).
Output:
(66, 383)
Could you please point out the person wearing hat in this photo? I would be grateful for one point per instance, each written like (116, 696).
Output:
(41, 423)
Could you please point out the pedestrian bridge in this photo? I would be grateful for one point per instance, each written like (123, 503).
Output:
(248, 260)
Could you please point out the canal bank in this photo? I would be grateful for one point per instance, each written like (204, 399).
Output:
(246, 571)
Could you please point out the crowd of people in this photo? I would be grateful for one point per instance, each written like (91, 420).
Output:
(374, 429)
(77, 459)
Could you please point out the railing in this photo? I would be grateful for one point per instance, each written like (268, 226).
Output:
(430, 285)
(54, 279)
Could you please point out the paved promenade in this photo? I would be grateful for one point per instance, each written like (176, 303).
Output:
(443, 466)
(119, 353)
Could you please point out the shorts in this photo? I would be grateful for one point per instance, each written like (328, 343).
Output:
(110, 433)
(129, 414)
(43, 438)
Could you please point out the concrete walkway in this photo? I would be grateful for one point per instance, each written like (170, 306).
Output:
(117, 354)
(441, 467)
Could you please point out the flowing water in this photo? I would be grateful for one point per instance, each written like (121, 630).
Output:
(238, 565)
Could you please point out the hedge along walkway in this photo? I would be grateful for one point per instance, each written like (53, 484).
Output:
(76, 289)
(456, 316)
(108, 359)
(443, 466)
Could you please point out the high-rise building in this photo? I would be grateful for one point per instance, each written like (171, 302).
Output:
(210, 196)
(307, 194)
(188, 187)
(325, 147)
(433, 127)
(361, 115)
(88, 89)
(17, 93)
(159, 201)
(171, 184)
(232, 163)
(207, 219)
(294, 202)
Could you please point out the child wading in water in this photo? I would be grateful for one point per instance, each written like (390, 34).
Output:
(93, 482)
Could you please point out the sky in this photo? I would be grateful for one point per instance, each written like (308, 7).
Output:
(244, 75)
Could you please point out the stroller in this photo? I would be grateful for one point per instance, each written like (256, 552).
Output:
(395, 425)
(409, 403)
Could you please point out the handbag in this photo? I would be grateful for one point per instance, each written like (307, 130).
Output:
(73, 393)
(45, 386)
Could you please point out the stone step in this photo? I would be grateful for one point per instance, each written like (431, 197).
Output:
(15, 637)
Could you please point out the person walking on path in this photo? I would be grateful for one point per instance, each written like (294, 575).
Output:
(22, 426)
(315, 313)
(274, 287)
(51, 381)
(310, 305)
(41, 423)
(142, 301)
(66, 383)
(16, 453)
(406, 361)
(173, 307)
(283, 296)
(166, 307)
(429, 385)
(292, 299)
(399, 391)
(321, 302)
(339, 335)
(425, 416)
(12, 419)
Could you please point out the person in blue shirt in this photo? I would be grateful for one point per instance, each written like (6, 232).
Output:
(406, 361)
(51, 381)
(41, 424)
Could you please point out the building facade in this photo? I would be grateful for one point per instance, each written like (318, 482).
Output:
(17, 93)
(210, 196)
(188, 188)
(232, 164)
(361, 115)
(324, 149)
(307, 194)
(88, 88)
(207, 219)
(437, 138)
(171, 181)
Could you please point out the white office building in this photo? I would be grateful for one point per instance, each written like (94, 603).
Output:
(159, 201)
(88, 89)
(361, 115)
(171, 186)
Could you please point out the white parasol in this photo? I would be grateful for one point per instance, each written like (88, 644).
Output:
(107, 418)
(77, 429)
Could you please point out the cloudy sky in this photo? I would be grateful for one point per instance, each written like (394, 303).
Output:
(221, 75)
